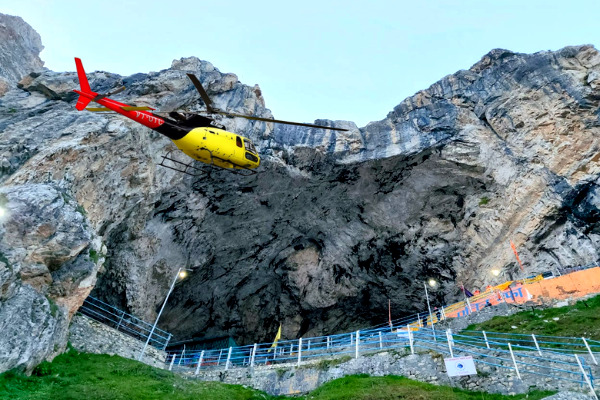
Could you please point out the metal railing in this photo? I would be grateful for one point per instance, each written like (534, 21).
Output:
(555, 357)
(123, 322)
(568, 270)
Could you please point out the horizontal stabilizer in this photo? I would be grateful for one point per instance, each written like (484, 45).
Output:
(134, 108)
(124, 108)
(98, 109)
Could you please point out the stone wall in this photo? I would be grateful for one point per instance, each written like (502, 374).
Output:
(90, 336)
(426, 366)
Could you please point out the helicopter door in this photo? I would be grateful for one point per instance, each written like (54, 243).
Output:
(239, 146)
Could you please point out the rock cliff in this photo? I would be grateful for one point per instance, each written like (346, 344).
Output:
(20, 47)
(333, 226)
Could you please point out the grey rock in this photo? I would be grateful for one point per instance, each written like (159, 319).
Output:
(20, 47)
(33, 329)
(45, 272)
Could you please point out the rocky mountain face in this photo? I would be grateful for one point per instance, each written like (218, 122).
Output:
(49, 254)
(20, 47)
(332, 226)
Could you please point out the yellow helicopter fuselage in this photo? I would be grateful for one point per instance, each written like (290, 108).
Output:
(220, 148)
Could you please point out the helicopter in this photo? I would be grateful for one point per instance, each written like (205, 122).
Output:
(197, 136)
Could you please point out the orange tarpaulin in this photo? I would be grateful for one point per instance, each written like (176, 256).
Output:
(574, 285)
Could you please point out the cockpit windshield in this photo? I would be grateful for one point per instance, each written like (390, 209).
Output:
(249, 146)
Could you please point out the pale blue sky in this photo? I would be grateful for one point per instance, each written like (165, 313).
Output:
(312, 59)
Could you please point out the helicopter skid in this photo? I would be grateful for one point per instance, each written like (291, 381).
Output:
(189, 169)
(180, 166)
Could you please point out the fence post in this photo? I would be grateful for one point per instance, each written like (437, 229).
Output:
(308, 345)
(380, 341)
(299, 351)
(449, 339)
(220, 355)
(228, 358)
(512, 355)
(351, 339)
(537, 346)
(589, 350)
(253, 355)
(120, 319)
(167, 342)
(327, 342)
(410, 339)
(172, 362)
(586, 377)
(182, 354)
(357, 344)
(200, 362)
(485, 338)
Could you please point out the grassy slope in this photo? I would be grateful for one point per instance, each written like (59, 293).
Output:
(102, 377)
(580, 319)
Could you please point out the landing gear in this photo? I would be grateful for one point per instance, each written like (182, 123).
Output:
(188, 168)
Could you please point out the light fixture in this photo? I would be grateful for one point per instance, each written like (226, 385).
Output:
(182, 274)
(432, 282)
(495, 272)
(2, 212)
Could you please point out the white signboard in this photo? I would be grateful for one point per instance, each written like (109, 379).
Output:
(460, 366)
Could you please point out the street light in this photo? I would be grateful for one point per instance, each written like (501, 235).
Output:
(432, 283)
(181, 274)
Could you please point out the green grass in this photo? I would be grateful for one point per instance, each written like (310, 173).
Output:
(94, 256)
(580, 319)
(75, 375)
(365, 387)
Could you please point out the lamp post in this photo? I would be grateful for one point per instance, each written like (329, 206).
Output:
(181, 273)
(432, 283)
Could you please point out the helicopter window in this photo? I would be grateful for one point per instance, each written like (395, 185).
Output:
(251, 157)
(238, 141)
(250, 146)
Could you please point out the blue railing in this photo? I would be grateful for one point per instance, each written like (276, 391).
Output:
(126, 323)
(549, 356)
(568, 270)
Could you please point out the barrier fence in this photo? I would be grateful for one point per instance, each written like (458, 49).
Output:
(568, 270)
(124, 322)
(561, 358)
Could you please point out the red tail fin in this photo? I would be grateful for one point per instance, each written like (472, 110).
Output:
(83, 101)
